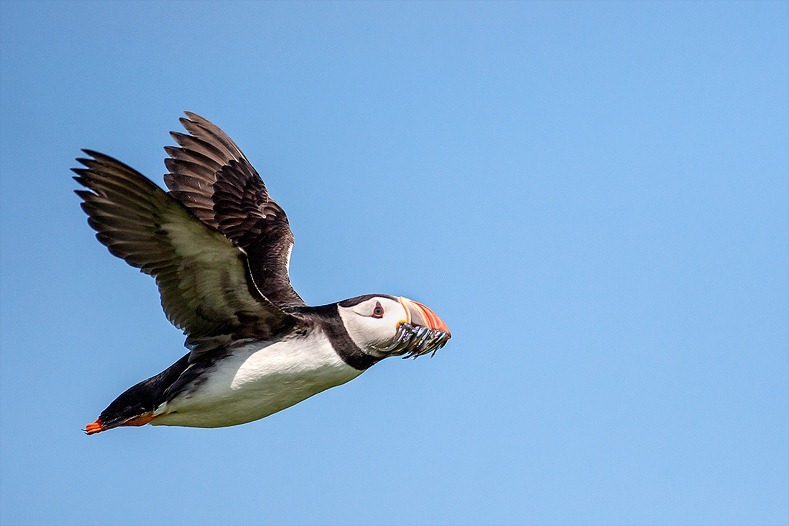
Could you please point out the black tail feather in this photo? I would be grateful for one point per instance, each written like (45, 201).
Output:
(141, 398)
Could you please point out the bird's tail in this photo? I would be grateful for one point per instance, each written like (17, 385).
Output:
(100, 425)
(134, 407)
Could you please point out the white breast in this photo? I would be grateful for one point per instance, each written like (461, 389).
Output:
(257, 380)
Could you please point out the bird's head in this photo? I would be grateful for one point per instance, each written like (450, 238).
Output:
(384, 326)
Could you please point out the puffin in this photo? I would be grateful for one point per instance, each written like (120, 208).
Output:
(219, 247)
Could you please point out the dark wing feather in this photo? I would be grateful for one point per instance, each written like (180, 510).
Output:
(211, 176)
(202, 278)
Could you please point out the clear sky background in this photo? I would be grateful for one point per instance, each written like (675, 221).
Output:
(594, 196)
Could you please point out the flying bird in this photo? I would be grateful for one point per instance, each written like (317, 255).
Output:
(219, 249)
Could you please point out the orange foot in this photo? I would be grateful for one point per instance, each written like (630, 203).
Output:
(98, 426)
(95, 427)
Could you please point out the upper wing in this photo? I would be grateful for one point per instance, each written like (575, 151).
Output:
(202, 277)
(211, 176)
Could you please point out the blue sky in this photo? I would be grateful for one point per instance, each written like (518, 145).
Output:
(593, 196)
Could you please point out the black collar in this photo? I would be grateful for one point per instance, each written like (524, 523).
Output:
(328, 316)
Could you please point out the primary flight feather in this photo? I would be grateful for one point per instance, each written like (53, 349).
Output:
(219, 249)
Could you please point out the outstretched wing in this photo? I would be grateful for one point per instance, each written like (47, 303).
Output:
(202, 277)
(211, 176)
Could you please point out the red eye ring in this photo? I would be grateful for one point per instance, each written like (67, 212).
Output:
(378, 311)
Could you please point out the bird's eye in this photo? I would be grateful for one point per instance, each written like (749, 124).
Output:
(378, 311)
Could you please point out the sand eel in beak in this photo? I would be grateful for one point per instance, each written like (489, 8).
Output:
(219, 249)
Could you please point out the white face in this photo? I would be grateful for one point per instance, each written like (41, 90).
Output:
(372, 324)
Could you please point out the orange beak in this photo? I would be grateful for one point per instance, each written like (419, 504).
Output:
(420, 315)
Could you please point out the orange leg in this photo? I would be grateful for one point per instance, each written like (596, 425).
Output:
(95, 427)
(98, 426)
(139, 420)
